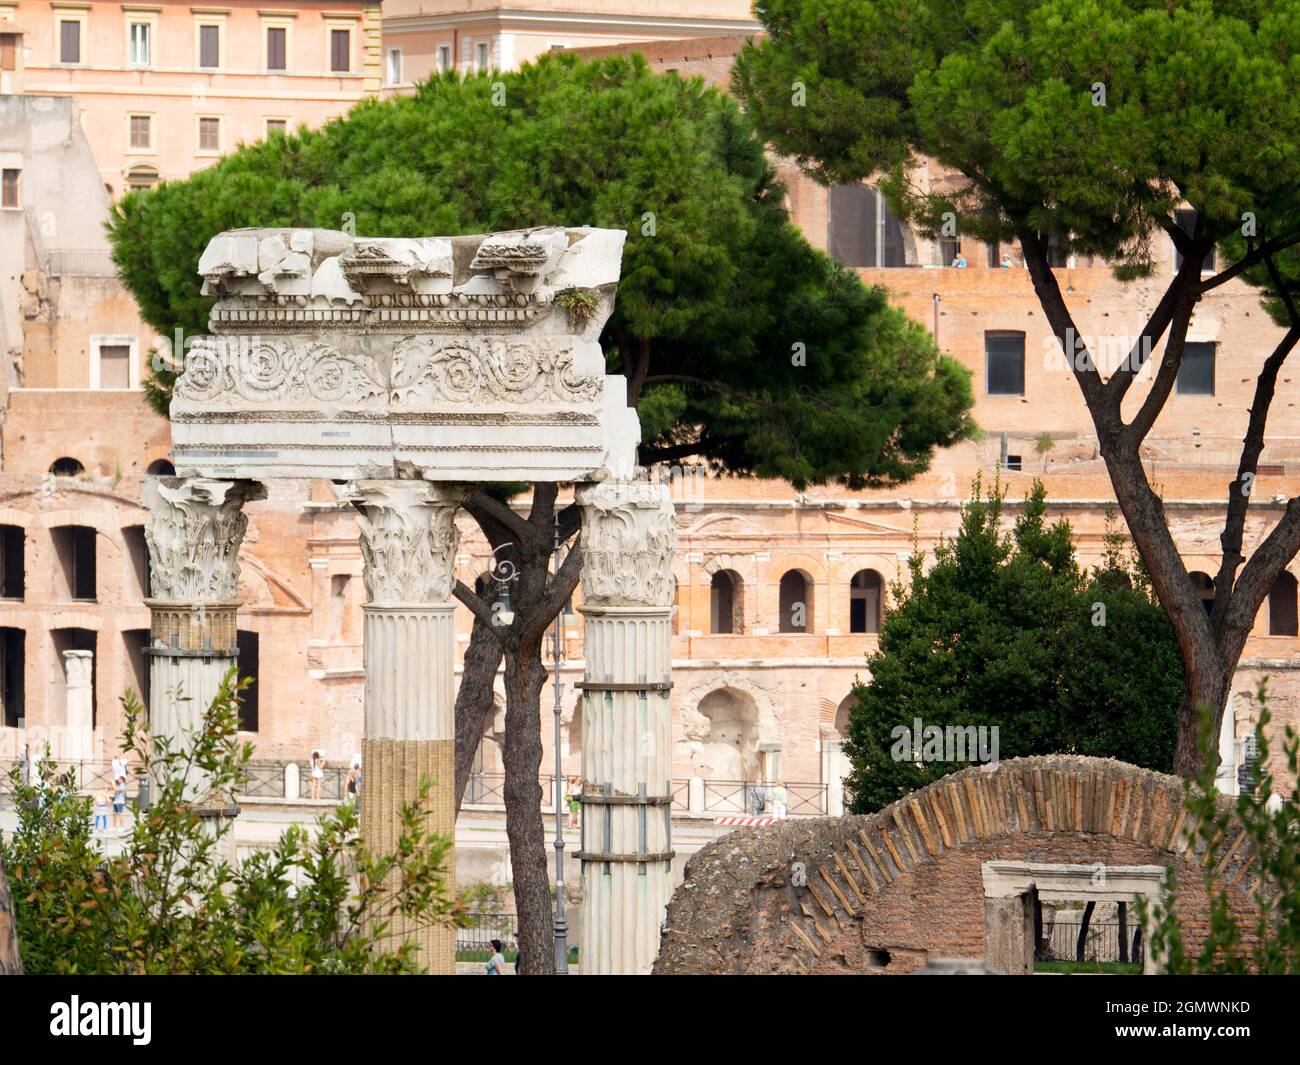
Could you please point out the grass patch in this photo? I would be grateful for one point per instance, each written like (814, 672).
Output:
(1104, 968)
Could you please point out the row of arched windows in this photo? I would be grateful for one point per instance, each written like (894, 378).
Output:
(1282, 601)
(67, 466)
(795, 602)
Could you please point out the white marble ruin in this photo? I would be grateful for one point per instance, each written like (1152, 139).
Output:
(413, 369)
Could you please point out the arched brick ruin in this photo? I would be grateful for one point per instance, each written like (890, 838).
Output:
(886, 892)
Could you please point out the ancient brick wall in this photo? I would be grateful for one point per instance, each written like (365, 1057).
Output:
(882, 893)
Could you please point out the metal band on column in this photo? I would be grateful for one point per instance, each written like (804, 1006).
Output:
(628, 539)
(194, 532)
(408, 543)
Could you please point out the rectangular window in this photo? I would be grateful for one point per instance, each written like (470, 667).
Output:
(277, 48)
(115, 366)
(394, 66)
(9, 188)
(340, 50)
(210, 46)
(209, 134)
(69, 40)
(482, 56)
(1004, 355)
(141, 132)
(139, 39)
(444, 58)
(1196, 371)
(277, 125)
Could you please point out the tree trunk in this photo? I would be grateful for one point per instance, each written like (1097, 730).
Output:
(483, 657)
(11, 962)
(525, 676)
(1121, 908)
(1081, 944)
(1206, 684)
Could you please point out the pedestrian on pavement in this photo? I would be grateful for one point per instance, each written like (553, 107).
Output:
(353, 781)
(119, 767)
(119, 804)
(575, 804)
(496, 965)
(101, 811)
(779, 800)
(317, 773)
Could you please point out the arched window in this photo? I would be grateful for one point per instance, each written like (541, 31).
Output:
(866, 593)
(796, 602)
(726, 603)
(161, 468)
(1204, 585)
(141, 176)
(1282, 606)
(74, 548)
(67, 467)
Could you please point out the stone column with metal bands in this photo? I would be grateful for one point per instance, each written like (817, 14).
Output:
(408, 543)
(194, 532)
(628, 539)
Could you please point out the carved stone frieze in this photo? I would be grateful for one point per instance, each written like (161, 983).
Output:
(488, 371)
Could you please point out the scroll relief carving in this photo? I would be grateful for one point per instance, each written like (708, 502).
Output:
(194, 531)
(628, 540)
(235, 371)
(432, 369)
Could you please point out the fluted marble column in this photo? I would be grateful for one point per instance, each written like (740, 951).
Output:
(408, 543)
(628, 538)
(196, 526)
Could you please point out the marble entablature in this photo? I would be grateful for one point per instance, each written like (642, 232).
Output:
(449, 358)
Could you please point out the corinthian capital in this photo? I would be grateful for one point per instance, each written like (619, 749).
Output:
(628, 540)
(194, 531)
(408, 539)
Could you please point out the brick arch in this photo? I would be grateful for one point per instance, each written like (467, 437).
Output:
(836, 895)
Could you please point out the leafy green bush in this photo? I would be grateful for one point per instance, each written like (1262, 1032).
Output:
(171, 902)
(1270, 944)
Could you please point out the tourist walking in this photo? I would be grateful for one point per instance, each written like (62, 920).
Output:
(353, 785)
(119, 804)
(496, 965)
(101, 811)
(317, 773)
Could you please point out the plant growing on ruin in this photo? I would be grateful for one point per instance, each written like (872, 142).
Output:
(1084, 129)
(1005, 631)
(744, 348)
(172, 901)
(1267, 941)
(579, 303)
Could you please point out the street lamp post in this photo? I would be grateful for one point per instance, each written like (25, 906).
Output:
(561, 922)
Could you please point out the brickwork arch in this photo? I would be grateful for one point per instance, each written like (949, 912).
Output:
(887, 891)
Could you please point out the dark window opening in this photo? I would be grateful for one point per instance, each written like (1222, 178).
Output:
(1282, 606)
(276, 52)
(1204, 585)
(1004, 355)
(1196, 370)
(137, 550)
(724, 603)
(796, 602)
(13, 659)
(13, 572)
(340, 50)
(161, 468)
(861, 230)
(866, 593)
(67, 467)
(248, 668)
(74, 546)
(136, 641)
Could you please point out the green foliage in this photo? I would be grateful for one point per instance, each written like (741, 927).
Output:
(718, 287)
(1201, 104)
(316, 903)
(1003, 631)
(1268, 943)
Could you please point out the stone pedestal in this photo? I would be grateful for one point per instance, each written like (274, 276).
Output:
(408, 542)
(195, 529)
(79, 743)
(628, 540)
